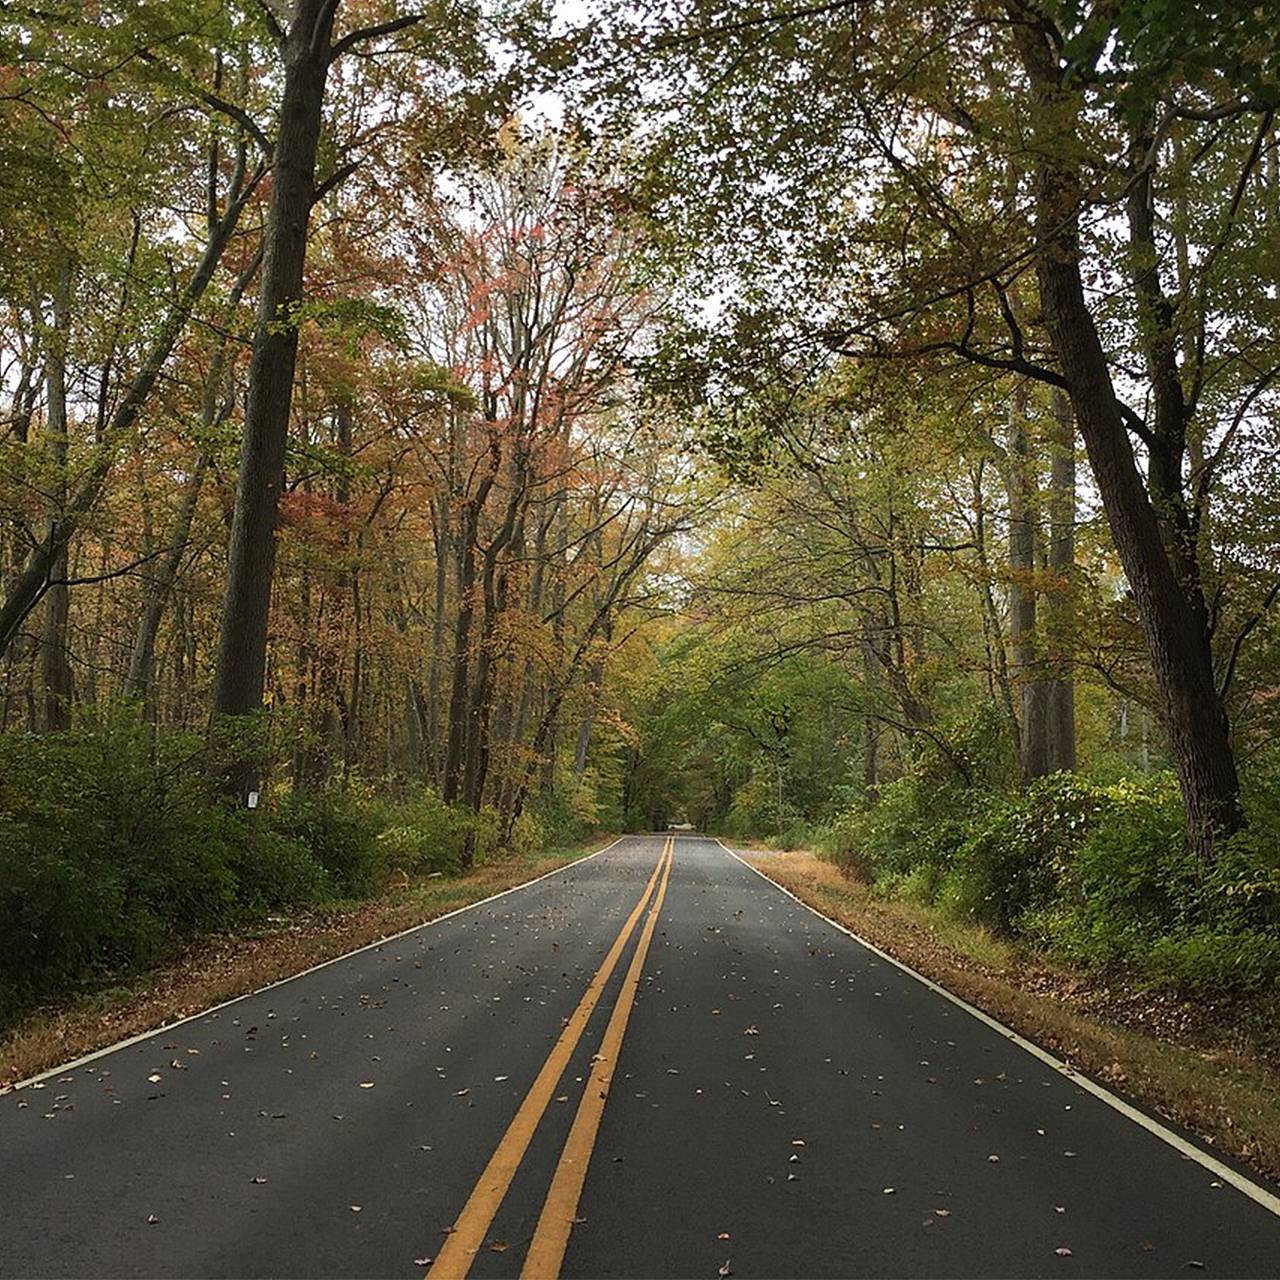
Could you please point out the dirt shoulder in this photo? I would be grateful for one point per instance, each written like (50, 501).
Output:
(1171, 1056)
(219, 968)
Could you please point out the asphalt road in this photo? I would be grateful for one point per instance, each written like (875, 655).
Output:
(784, 1103)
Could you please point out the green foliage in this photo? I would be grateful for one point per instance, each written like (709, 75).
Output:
(427, 835)
(113, 848)
(334, 827)
(915, 823)
(110, 847)
(1100, 875)
(1017, 853)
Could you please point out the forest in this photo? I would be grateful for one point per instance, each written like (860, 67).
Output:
(429, 432)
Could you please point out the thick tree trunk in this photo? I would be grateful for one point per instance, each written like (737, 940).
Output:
(1176, 636)
(1027, 668)
(242, 643)
(55, 665)
(1060, 605)
(215, 407)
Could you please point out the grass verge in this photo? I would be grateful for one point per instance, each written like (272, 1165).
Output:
(1226, 1093)
(227, 965)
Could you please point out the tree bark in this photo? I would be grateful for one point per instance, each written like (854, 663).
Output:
(1177, 640)
(1028, 674)
(242, 642)
(55, 665)
(1060, 604)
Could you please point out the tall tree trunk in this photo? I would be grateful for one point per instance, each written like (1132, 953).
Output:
(455, 754)
(1059, 605)
(242, 642)
(27, 587)
(215, 407)
(1028, 670)
(55, 665)
(1177, 639)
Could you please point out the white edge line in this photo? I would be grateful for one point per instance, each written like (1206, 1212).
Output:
(76, 1063)
(1255, 1192)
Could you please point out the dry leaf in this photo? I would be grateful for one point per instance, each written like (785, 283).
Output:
(366, 1084)
(499, 1246)
(1062, 1251)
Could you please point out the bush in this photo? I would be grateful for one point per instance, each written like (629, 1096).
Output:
(336, 828)
(914, 823)
(109, 847)
(1133, 879)
(1209, 963)
(1014, 861)
(427, 835)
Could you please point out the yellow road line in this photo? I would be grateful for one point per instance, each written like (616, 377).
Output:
(459, 1249)
(551, 1238)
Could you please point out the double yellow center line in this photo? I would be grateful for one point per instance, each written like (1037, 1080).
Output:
(551, 1237)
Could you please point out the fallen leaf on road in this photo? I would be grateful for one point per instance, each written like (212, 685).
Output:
(500, 1079)
(355, 1208)
(366, 1084)
(888, 1191)
(152, 1219)
(726, 1269)
(1062, 1251)
(461, 1093)
(724, 1235)
(422, 1262)
(942, 1213)
(155, 1079)
(993, 1159)
(499, 1246)
(258, 1180)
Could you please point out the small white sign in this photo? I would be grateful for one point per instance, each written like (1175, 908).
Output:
(253, 799)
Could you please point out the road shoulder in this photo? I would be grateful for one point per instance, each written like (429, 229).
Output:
(213, 970)
(1230, 1099)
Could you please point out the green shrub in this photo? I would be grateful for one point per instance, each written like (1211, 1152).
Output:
(1210, 963)
(528, 834)
(1014, 861)
(335, 827)
(1133, 878)
(109, 847)
(426, 835)
(914, 823)
(275, 871)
